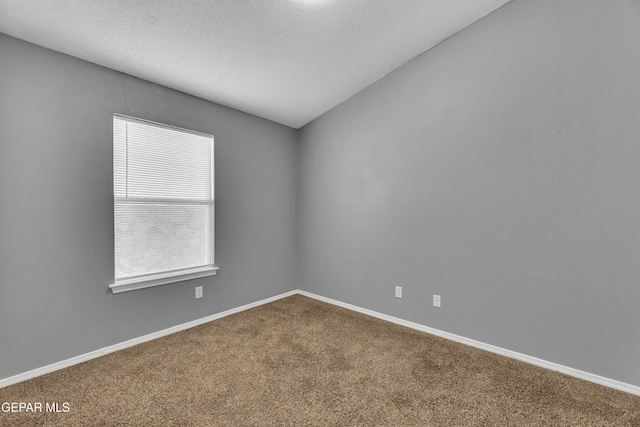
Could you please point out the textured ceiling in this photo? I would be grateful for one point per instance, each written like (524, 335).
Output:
(285, 60)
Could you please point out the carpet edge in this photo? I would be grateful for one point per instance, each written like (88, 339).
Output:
(4, 382)
(587, 376)
(552, 366)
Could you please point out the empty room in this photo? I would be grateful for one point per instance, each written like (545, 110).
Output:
(320, 212)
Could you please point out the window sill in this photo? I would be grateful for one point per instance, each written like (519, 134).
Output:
(161, 279)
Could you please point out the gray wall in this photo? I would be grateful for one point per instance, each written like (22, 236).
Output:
(501, 170)
(56, 208)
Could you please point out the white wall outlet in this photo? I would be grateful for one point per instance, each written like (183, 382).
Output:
(198, 292)
(398, 291)
(436, 300)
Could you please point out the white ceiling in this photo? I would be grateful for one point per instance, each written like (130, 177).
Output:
(285, 60)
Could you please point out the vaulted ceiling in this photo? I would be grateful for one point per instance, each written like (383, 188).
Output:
(285, 60)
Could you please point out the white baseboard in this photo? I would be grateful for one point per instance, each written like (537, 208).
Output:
(607, 382)
(110, 349)
(618, 385)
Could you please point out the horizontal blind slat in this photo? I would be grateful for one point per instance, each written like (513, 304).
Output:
(164, 162)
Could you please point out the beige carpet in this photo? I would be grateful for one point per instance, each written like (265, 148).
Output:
(298, 361)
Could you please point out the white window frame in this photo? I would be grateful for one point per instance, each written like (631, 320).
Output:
(148, 280)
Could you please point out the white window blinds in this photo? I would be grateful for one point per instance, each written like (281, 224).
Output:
(164, 202)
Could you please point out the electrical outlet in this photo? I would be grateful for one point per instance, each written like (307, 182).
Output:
(436, 300)
(198, 292)
(398, 291)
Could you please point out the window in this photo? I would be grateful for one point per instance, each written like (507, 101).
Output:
(163, 186)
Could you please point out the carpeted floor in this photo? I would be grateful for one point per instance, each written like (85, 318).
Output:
(298, 361)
